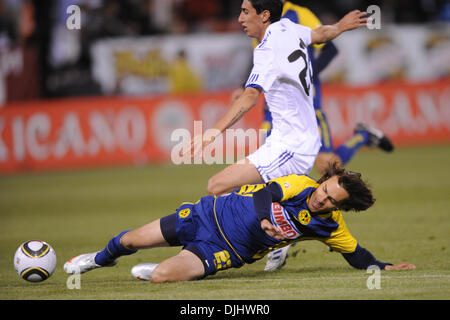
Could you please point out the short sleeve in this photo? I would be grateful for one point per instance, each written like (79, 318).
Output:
(341, 239)
(293, 185)
(305, 34)
(262, 74)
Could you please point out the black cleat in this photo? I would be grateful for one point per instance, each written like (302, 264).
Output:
(376, 137)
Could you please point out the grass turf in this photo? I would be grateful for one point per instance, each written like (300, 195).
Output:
(79, 211)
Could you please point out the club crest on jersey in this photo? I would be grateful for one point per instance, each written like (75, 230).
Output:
(184, 213)
(304, 217)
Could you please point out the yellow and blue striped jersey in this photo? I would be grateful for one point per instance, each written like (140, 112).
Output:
(329, 228)
(235, 214)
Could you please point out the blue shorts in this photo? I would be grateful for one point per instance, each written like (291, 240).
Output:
(194, 227)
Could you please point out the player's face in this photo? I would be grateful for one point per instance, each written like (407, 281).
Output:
(251, 21)
(327, 196)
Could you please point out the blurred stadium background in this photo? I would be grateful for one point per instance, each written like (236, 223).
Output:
(112, 91)
(104, 99)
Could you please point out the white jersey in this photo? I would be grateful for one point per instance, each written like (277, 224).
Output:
(282, 69)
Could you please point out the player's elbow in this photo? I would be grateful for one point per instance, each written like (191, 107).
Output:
(252, 94)
(318, 37)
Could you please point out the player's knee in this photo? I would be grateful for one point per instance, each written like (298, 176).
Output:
(126, 241)
(160, 275)
(167, 273)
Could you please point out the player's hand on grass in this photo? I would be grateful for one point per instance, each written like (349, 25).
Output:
(400, 266)
(352, 20)
(271, 230)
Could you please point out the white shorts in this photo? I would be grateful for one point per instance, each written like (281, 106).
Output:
(273, 161)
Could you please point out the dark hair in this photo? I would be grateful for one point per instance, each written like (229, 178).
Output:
(275, 7)
(360, 196)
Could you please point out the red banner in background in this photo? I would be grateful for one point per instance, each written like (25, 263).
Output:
(86, 132)
(410, 114)
(92, 132)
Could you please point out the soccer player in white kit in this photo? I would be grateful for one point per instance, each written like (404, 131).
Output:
(282, 71)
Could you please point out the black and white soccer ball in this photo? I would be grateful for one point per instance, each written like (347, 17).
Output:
(35, 260)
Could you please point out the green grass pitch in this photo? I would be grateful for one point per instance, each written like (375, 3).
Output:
(79, 211)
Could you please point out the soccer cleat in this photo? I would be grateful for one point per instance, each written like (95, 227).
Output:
(376, 137)
(143, 271)
(276, 259)
(84, 263)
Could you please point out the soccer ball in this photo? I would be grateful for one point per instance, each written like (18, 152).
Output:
(35, 260)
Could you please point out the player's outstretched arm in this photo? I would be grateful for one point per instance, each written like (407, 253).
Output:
(239, 107)
(352, 20)
(361, 258)
(400, 266)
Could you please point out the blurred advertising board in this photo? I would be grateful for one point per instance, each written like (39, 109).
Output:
(93, 132)
(210, 62)
(171, 64)
(414, 53)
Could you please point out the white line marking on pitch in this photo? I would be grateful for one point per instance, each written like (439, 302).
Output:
(334, 278)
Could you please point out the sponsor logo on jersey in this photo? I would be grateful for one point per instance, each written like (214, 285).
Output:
(280, 219)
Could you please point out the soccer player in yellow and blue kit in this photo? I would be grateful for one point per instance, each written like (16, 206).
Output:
(321, 55)
(218, 233)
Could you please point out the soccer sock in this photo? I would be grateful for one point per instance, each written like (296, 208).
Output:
(347, 150)
(112, 251)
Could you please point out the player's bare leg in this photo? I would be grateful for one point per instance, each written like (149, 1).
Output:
(127, 242)
(147, 236)
(232, 177)
(182, 267)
